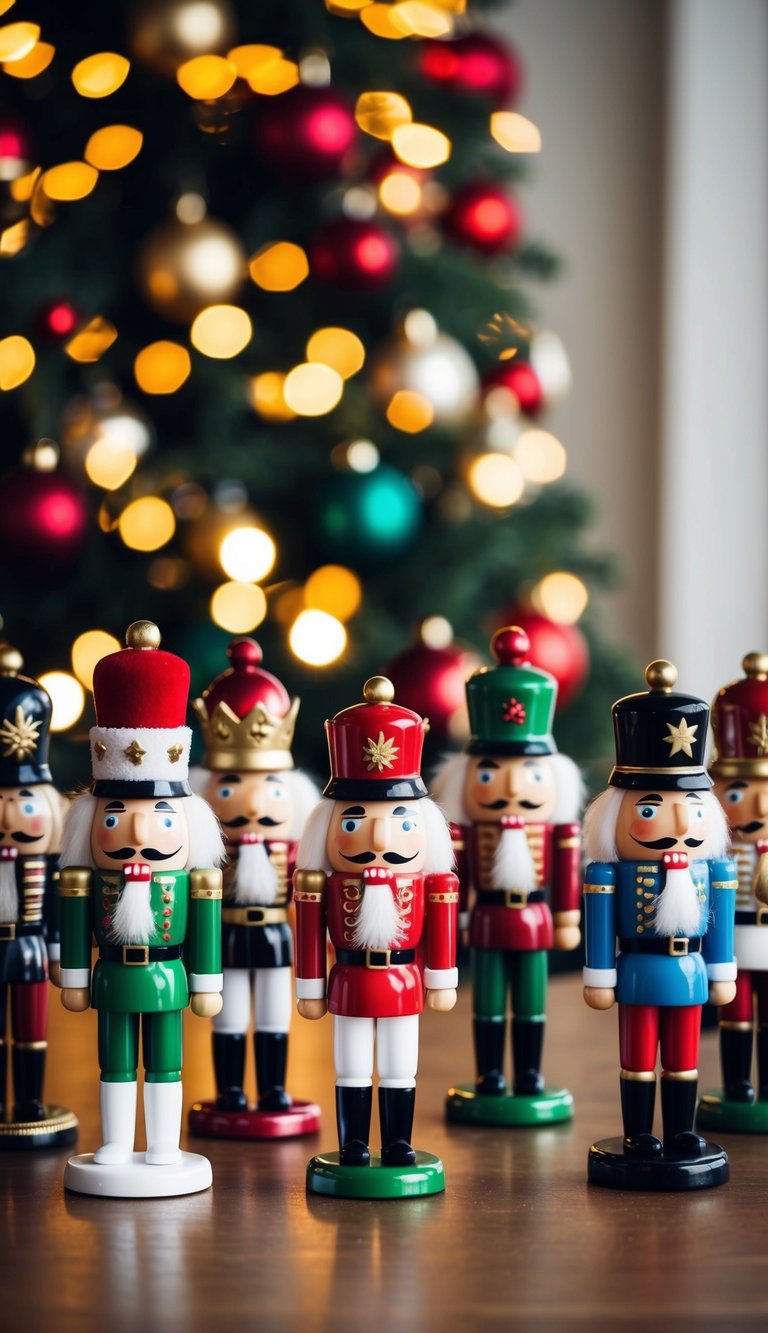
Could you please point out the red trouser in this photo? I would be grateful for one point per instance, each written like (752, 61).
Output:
(742, 1008)
(29, 1010)
(642, 1026)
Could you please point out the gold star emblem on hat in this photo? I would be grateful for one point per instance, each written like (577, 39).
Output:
(134, 752)
(380, 753)
(175, 752)
(681, 737)
(758, 734)
(20, 737)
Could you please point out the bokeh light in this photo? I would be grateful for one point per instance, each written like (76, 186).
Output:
(400, 193)
(436, 631)
(90, 342)
(418, 18)
(162, 367)
(221, 331)
(17, 40)
(69, 181)
(496, 480)
(378, 114)
(338, 348)
(377, 18)
(113, 147)
(275, 76)
(147, 524)
(421, 145)
(109, 463)
(515, 133)
(410, 412)
(266, 396)
(247, 554)
(17, 361)
(334, 589)
(29, 66)
(541, 456)
(561, 596)
(101, 74)
(206, 77)
(279, 267)
(67, 697)
(238, 607)
(316, 638)
(313, 389)
(247, 60)
(88, 649)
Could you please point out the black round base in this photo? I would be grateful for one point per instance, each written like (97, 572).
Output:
(57, 1130)
(610, 1167)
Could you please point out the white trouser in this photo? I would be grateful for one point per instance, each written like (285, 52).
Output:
(272, 1000)
(397, 1051)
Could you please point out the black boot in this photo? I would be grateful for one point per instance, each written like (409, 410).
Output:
(353, 1121)
(28, 1072)
(271, 1059)
(527, 1045)
(396, 1106)
(736, 1061)
(229, 1068)
(678, 1109)
(489, 1056)
(637, 1101)
(762, 1062)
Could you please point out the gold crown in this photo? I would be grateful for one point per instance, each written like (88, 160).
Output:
(258, 742)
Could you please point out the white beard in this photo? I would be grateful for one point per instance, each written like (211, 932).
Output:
(133, 921)
(379, 923)
(255, 878)
(678, 910)
(512, 863)
(9, 897)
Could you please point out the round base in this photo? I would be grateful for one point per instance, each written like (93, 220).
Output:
(57, 1130)
(135, 1179)
(717, 1113)
(464, 1105)
(206, 1119)
(612, 1168)
(326, 1176)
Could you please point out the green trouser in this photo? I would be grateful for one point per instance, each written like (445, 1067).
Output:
(525, 970)
(119, 1046)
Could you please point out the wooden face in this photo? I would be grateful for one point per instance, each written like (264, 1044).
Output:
(651, 823)
(522, 785)
(250, 803)
(125, 832)
(26, 820)
(386, 834)
(745, 802)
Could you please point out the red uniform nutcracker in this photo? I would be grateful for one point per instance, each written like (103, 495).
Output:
(375, 874)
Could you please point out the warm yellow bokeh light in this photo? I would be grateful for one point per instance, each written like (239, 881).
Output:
(113, 147)
(191, 207)
(147, 524)
(101, 74)
(378, 114)
(69, 181)
(162, 367)
(417, 18)
(561, 596)
(436, 632)
(29, 66)
(515, 133)
(421, 145)
(17, 361)
(313, 389)
(496, 480)
(247, 554)
(221, 331)
(17, 40)
(92, 341)
(13, 239)
(346, 8)
(238, 607)
(274, 76)
(317, 638)
(400, 193)
(361, 456)
(334, 589)
(410, 412)
(247, 60)
(206, 77)
(265, 393)
(340, 349)
(22, 187)
(109, 464)
(279, 266)
(67, 697)
(541, 456)
(88, 649)
(377, 18)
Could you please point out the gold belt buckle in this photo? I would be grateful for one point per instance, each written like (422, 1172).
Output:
(143, 949)
(761, 916)
(378, 967)
(514, 898)
(8, 932)
(254, 916)
(683, 942)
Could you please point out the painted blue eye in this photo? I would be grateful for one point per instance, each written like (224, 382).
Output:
(734, 797)
(647, 811)
(278, 791)
(168, 821)
(408, 825)
(536, 775)
(224, 792)
(351, 825)
(485, 778)
(28, 808)
(111, 821)
(700, 812)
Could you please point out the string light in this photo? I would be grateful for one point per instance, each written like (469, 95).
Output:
(421, 145)
(109, 464)
(410, 412)
(221, 331)
(400, 193)
(206, 77)
(338, 348)
(317, 638)
(266, 396)
(247, 554)
(69, 181)
(67, 697)
(377, 18)
(113, 147)
(29, 66)
(238, 607)
(420, 19)
(162, 367)
(274, 77)
(17, 40)
(17, 361)
(561, 596)
(88, 649)
(147, 524)
(496, 480)
(515, 133)
(378, 114)
(279, 267)
(334, 589)
(101, 74)
(312, 389)
(436, 632)
(541, 456)
(90, 343)
(247, 60)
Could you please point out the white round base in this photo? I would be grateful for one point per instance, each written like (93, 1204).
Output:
(135, 1179)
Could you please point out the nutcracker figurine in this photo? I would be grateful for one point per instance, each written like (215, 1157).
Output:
(31, 818)
(739, 767)
(247, 720)
(375, 873)
(659, 880)
(514, 804)
(130, 877)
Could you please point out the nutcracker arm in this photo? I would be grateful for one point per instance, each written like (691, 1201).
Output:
(75, 923)
(442, 901)
(309, 889)
(600, 926)
(460, 842)
(718, 943)
(566, 868)
(202, 946)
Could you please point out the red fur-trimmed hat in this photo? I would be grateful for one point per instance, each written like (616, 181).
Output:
(246, 715)
(375, 748)
(740, 723)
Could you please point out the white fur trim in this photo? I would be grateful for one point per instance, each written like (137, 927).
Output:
(678, 910)
(201, 983)
(255, 877)
(9, 894)
(569, 784)
(133, 921)
(379, 922)
(447, 787)
(310, 988)
(752, 948)
(604, 978)
(54, 952)
(76, 839)
(206, 845)
(513, 866)
(600, 825)
(721, 971)
(441, 978)
(156, 763)
(75, 978)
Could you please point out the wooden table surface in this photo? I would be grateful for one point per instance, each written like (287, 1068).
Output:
(517, 1241)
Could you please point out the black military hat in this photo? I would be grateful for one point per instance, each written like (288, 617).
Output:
(660, 736)
(25, 723)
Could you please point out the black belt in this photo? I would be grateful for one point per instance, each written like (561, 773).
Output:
(376, 959)
(138, 955)
(507, 897)
(746, 917)
(675, 946)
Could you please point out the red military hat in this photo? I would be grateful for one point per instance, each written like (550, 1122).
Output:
(375, 748)
(246, 715)
(140, 744)
(740, 723)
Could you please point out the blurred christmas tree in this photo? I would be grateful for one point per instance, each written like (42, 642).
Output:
(266, 282)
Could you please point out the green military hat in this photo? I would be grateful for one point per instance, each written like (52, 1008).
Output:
(511, 705)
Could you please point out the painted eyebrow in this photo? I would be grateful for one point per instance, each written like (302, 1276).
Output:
(403, 810)
(488, 763)
(272, 777)
(353, 810)
(530, 763)
(115, 805)
(26, 793)
(163, 805)
(652, 796)
(693, 796)
(230, 777)
(737, 783)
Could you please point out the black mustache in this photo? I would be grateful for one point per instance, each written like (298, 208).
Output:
(531, 805)
(494, 805)
(237, 822)
(24, 837)
(663, 844)
(392, 858)
(148, 853)
(751, 827)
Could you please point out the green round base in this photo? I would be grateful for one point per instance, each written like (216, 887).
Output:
(464, 1105)
(717, 1112)
(325, 1175)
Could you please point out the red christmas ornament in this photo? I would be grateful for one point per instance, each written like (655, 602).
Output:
(15, 144)
(432, 680)
(57, 319)
(475, 64)
(560, 649)
(520, 379)
(351, 253)
(305, 134)
(43, 517)
(485, 216)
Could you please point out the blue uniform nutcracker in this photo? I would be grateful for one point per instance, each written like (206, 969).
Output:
(660, 887)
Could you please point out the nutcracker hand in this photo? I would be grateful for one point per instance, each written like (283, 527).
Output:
(54, 972)
(722, 992)
(312, 1008)
(206, 1004)
(567, 937)
(76, 998)
(599, 997)
(441, 1000)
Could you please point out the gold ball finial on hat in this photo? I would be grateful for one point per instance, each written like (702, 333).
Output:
(378, 690)
(142, 634)
(661, 676)
(11, 660)
(756, 665)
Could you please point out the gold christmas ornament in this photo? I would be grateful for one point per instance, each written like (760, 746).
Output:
(166, 33)
(431, 365)
(184, 267)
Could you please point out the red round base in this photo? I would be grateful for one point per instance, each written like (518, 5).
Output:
(207, 1120)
